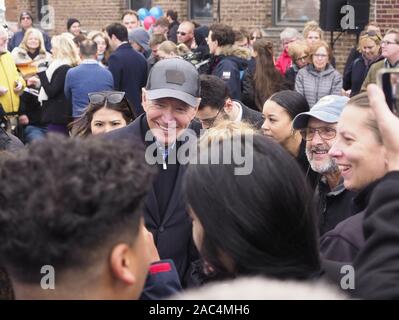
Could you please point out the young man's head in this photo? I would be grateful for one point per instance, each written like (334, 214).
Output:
(171, 98)
(155, 40)
(171, 15)
(220, 35)
(185, 33)
(130, 19)
(216, 103)
(117, 33)
(358, 149)
(26, 20)
(72, 218)
(318, 128)
(161, 26)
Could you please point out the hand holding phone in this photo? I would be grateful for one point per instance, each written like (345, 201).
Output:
(388, 81)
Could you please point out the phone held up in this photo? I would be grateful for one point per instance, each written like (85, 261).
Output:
(388, 81)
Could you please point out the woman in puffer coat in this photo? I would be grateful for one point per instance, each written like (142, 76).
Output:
(319, 78)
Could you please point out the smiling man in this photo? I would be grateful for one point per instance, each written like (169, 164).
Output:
(170, 102)
(361, 158)
(318, 128)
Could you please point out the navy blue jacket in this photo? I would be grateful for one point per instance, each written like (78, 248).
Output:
(129, 70)
(172, 227)
(162, 281)
(231, 70)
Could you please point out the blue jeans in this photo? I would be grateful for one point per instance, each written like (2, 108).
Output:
(34, 133)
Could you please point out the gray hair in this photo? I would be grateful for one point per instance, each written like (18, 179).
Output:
(290, 33)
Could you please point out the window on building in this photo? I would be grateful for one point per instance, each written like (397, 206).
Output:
(201, 9)
(137, 4)
(295, 12)
(40, 5)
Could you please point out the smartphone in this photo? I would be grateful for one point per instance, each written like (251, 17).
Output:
(388, 81)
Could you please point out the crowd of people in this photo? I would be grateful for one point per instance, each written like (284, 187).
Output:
(94, 181)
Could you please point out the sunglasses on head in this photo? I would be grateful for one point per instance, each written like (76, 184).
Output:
(111, 97)
(371, 33)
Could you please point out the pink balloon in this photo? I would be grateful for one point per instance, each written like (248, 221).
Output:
(148, 22)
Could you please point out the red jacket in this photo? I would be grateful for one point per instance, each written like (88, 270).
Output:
(283, 63)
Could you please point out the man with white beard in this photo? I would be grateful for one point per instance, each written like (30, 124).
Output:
(318, 129)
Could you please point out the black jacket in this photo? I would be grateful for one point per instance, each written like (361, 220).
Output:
(165, 210)
(57, 109)
(377, 263)
(334, 205)
(129, 70)
(356, 73)
(172, 32)
(343, 243)
(254, 118)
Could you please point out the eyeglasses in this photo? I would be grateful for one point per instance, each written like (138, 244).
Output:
(303, 58)
(181, 33)
(326, 133)
(320, 55)
(386, 42)
(208, 123)
(112, 97)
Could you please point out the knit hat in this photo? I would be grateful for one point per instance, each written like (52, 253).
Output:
(140, 36)
(71, 21)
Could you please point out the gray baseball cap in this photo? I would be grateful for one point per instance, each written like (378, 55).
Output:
(327, 109)
(140, 36)
(174, 78)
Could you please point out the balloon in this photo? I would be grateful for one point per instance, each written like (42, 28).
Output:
(148, 22)
(156, 12)
(143, 13)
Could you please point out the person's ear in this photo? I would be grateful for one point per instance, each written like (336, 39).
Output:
(121, 262)
(144, 99)
(228, 106)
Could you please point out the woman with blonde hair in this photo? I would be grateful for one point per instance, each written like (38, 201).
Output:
(57, 110)
(30, 53)
(370, 49)
(29, 57)
(299, 53)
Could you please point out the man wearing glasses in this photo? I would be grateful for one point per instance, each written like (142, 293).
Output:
(216, 104)
(390, 51)
(318, 128)
(185, 34)
(26, 22)
(170, 101)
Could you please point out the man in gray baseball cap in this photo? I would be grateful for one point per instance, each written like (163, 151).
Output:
(170, 101)
(318, 129)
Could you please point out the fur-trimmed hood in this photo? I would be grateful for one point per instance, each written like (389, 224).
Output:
(260, 288)
(236, 51)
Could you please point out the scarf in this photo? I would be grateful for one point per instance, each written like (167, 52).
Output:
(55, 64)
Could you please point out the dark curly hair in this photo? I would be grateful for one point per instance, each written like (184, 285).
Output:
(67, 202)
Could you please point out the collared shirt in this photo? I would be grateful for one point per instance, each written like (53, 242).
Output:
(89, 61)
(239, 116)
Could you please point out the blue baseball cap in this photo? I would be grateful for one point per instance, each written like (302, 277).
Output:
(327, 109)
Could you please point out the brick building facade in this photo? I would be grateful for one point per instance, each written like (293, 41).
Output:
(95, 14)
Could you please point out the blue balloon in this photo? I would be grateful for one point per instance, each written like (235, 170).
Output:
(156, 12)
(143, 13)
